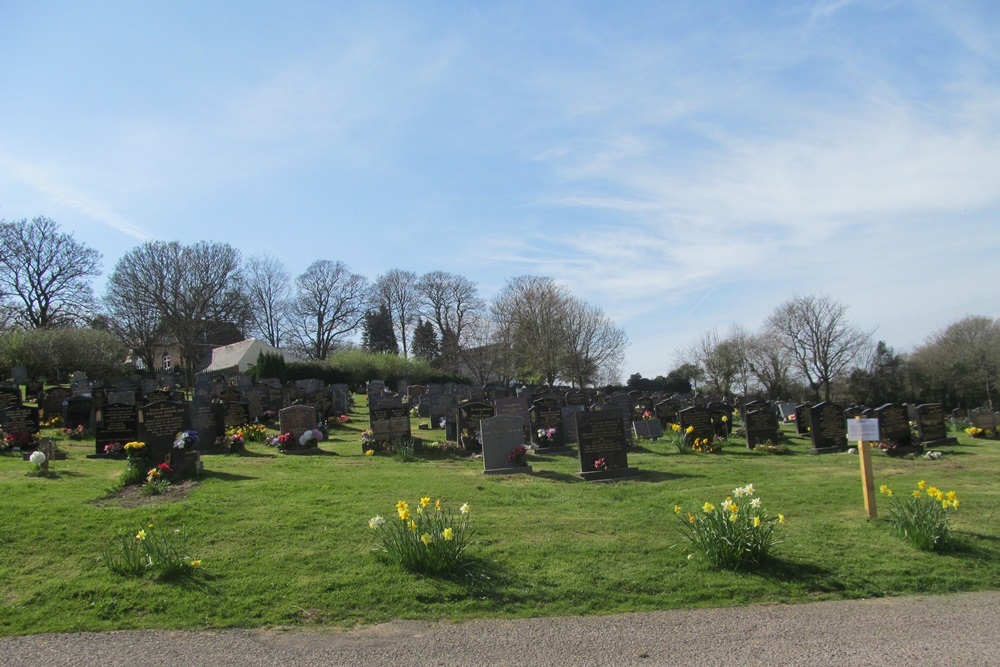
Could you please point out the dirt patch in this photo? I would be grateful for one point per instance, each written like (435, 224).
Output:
(132, 496)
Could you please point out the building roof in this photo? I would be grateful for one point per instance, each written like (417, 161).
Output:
(242, 355)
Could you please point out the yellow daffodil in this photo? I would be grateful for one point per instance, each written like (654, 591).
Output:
(425, 501)
(950, 495)
(883, 489)
(689, 429)
(733, 517)
(781, 518)
(889, 493)
(691, 518)
(426, 538)
(921, 484)
(916, 493)
(369, 452)
(141, 535)
(404, 514)
(195, 563)
(447, 534)
(437, 504)
(675, 427)
(412, 525)
(402, 505)
(756, 522)
(708, 508)
(677, 509)
(954, 503)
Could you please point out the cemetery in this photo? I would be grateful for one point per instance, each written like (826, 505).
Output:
(548, 483)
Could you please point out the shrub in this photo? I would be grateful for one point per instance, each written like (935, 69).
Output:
(922, 517)
(739, 534)
(429, 540)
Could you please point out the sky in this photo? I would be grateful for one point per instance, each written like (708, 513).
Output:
(683, 165)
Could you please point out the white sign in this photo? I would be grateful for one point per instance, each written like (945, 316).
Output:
(862, 430)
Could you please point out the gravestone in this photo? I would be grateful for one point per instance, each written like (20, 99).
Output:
(157, 395)
(576, 397)
(648, 429)
(569, 421)
(469, 416)
(237, 414)
(451, 423)
(159, 424)
(666, 411)
(517, 406)
(297, 419)
(207, 419)
(959, 413)
(802, 418)
(545, 414)
(258, 401)
(894, 429)
(121, 396)
(390, 424)
(931, 429)
(78, 411)
(501, 435)
(115, 422)
(722, 418)
(700, 419)
(761, 427)
(983, 418)
(787, 411)
(10, 397)
(51, 401)
(828, 428)
(19, 375)
(600, 438)
(21, 422)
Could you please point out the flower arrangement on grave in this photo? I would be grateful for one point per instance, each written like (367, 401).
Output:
(976, 432)
(236, 442)
(338, 421)
(647, 415)
(310, 438)
(601, 464)
(186, 441)
(113, 448)
(249, 432)
(38, 460)
(518, 456)
(428, 539)
(55, 422)
(157, 480)
(922, 517)
(706, 445)
(414, 412)
(4, 442)
(546, 436)
(282, 441)
(269, 415)
(738, 535)
(443, 448)
(134, 450)
(22, 440)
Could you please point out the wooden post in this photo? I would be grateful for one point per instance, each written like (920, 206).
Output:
(867, 478)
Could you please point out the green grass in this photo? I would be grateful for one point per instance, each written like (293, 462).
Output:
(284, 540)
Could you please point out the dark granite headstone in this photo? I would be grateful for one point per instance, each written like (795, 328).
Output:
(10, 397)
(78, 411)
(931, 429)
(469, 416)
(390, 424)
(828, 428)
(501, 435)
(51, 401)
(761, 427)
(569, 421)
(666, 411)
(297, 419)
(115, 422)
(207, 420)
(546, 414)
(22, 422)
(159, 424)
(601, 438)
(802, 418)
(237, 414)
(894, 429)
(648, 429)
(698, 417)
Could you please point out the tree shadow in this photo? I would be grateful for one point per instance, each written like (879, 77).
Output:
(225, 476)
(480, 581)
(557, 476)
(819, 579)
(658, 476)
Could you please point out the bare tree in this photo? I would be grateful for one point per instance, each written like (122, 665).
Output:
(269, 297)
(487, 355)
(815, 331)
(721, 360)
(962, 361)
(331, 303)
(46, 273)
(134, 322)
(397, 291)
(193, 289)
(595, 347)
(770, 364)
(450, 302)
(530, 311)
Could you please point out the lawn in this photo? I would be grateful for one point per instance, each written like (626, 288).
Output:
(284, 540)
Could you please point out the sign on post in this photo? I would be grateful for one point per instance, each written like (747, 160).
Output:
(864, 431)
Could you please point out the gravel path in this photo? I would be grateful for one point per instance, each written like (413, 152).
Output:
(941, 631)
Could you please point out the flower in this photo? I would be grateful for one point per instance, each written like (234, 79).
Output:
(369, 452)
(884, 488)
(404, 514)
(465, 509)
(375, 522)
(38, 458)
(755, 503)
(141, 535)
(677, 509)
(708, 507)
(916, 493)
(781, 518)
(689, 429)
(195, 563)
(921, 484)
(425, 501)
(691, 518)
(412, 525)
(448, 534)
(426, 538)
(748, 489)
(437, 504)
(675, 427)
(756, 522)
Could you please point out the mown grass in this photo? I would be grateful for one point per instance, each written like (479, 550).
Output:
(284, 540)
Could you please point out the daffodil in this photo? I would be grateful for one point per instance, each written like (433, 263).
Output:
(375, 522)
(195, 563)
(691, 518)
(465, 509)
(437, 504)
(677, 509)
(141, 535)
(369, 452)
(781, 518)
(689, 429)
(921, 484)
(755, 503)
(448, 534)
(412, 525)
(402, 505)
(708, 507)
(748, 490)
(756, 522)
(916, 493)
(404, 514)
(425, 501)
(426, 538)
(950, 495)
(883, 489)
(733, 517)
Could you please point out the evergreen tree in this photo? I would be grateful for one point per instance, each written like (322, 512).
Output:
(425, 342)
(377, 332)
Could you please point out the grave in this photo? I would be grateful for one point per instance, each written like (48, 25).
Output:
(700, 419)
(115, 422)
(761, 427)
(78, 411)
(501, 436)
(237, 413)
(543, 415)
(22, 422)
(828, 428)
(648, 429)
(601, 441)
(51, 401)
(931, 429)
(297, 419)
(569, 421)
(207, 419)
(894, 430)
(802, 418)
(10, 396)
(159, 423)
(391, 424)
(469, 416)
(983, 418)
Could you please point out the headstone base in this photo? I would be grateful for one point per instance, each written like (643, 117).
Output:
(514, 470)
(302, 452)
(610, 475)
(950, 440)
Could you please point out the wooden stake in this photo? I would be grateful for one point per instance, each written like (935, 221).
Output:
(867, 478)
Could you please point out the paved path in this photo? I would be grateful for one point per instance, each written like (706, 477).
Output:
(944, 631)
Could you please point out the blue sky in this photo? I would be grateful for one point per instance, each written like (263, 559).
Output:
(684, 165)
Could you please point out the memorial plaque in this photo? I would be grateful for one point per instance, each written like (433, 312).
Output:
(297, 419)
(469, 416)
(159, 424)
(546, 414)
(761, 427)
(828, 428)
(501, 435)
(930, 424)
(648, 429)
(207, 419)
(22, 422)
(600, 438)
(576, 397)
(115, 422)
(390, 424)
(700, 418)
(121, 397)
(514, 405)
(157, 395)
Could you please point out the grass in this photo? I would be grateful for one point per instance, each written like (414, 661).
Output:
(284, 540)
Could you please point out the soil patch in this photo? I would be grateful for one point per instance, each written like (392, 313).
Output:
(132, 496)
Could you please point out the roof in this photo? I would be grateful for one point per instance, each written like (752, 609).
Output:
(242, 355)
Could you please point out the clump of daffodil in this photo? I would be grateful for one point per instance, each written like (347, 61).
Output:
(431, 539)
(737, 534)
(922, 517)
(149, 551)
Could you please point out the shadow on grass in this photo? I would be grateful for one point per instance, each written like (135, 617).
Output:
(658, 476)
(557, 476)
(816, 578)
(225, 476)
(483, 582)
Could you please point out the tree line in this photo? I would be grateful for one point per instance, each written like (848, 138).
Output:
(168, 293)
